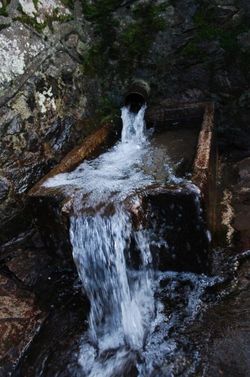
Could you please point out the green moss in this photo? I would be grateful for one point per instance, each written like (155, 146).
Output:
(129, 45)
(3, 9)
(244, 61)
(208, 29)
(56, 16)
(192, 50)
(68, 3)
(3, 12)
(107, 106)
(31, 21)
(39, 27)
(100, 8)
(4, 26)
(138, 36)
(35, 2)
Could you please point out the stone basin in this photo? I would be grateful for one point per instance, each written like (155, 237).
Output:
(188, 213)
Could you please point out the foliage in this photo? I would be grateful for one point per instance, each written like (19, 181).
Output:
(129, 43)
(3, 9)
(193, 50)
(31, 21)
(35, 2)
(68, 3)
(100, 8)
(107, 106)
(207, 28)
(39, 26)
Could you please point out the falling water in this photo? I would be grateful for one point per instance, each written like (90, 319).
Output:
(125, 320)
(122, 303)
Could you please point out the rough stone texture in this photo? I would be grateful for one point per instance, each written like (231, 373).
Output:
(242, 203)
(18, 48)
(43, 9)
(20, 319)
(43, 95)
(4, 188)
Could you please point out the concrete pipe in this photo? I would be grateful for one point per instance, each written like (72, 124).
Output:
(137, 95)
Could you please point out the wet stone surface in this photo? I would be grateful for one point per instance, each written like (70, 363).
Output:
(33, 285)
(242, 206)
(20, 320)
(205, 318)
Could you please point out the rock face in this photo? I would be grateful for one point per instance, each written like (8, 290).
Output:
(43, 95)
(20, 320)
(16, 53)
(242, 203)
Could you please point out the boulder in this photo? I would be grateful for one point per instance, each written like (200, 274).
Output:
(20, 321)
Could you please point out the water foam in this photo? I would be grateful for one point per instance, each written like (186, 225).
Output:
(124, 313)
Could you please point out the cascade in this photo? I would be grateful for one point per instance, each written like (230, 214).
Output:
(127, 327)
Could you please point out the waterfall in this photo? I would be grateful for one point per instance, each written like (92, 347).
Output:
(121, 304)
(127, 326)
(121, 297)
(133, 125)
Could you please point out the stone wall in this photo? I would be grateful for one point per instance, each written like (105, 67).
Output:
(65, 61)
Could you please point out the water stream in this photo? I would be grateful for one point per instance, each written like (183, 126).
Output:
(128, 328)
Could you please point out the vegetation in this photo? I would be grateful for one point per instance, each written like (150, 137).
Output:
(68, 3)
(40, 26)
(129, 43)
(209, 29)
(3, 9)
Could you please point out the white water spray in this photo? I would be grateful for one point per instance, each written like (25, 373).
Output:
(122, 303)
(125, 319)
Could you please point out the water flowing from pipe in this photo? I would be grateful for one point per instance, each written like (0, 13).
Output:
(122, 303)
(124, 314)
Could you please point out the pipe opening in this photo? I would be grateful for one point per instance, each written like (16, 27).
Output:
(137, 95)
(135, 101)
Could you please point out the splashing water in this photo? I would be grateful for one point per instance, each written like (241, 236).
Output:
(121, 306)
(123, 311)
(128, 166)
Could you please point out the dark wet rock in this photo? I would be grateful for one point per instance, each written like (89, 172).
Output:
(230, 356)
(60, 338)
(244, 170)
(41, 124)
(226, 328)
(20, 322)
(244, 41)
(242, 203)
(44, 94)
(175, 215)
(33, 286)
(29, 265)
(4, 188)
